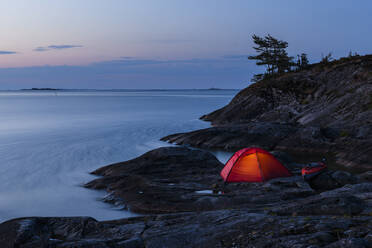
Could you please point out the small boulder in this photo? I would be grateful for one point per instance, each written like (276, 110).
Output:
(350, 243)
(366, 176)
(283, 157)
(332, 179)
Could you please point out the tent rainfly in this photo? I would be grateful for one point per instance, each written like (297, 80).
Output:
(253, 165)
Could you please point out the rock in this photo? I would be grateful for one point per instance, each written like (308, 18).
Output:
(176, 179)
(283, 157)
(232, 138)
(163, 180)
(221, 228)
(334, 225)
(285, 197)
(343, 178)
(348, 200)
(318, 95)
(354, 154)
(366, 176)
(368, 239)
(288, 162)
(317, 205)
(332, 179)
(350, 243)
(356, 189)
(364, 131)
(279, 137)
(328, 109)
(283, 212)
(323, 237)
(285, 137)
(67, 232)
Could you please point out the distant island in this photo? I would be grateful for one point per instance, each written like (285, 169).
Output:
(41, 89)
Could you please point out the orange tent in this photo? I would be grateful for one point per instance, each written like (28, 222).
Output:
(253, 165)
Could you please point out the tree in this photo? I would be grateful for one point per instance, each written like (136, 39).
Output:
(326, 59)
(302, 61)
(272, 54)
(353, 55)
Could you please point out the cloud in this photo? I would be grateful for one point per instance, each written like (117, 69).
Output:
(7, 52)
(41, 49)
(55, 47)
(58, 47)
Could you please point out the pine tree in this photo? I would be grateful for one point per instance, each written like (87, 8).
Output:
(272, 54)
(302, 61)
(326, 59)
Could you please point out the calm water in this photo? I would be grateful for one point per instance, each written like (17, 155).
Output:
(50, 141)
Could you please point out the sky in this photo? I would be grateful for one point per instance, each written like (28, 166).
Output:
(166, 44)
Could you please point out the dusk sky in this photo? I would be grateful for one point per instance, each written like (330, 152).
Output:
(158, 44)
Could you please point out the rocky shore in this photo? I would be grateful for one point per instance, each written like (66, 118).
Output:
(186, 204)
(325, 109)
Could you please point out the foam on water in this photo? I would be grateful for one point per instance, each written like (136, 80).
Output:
(50, 141)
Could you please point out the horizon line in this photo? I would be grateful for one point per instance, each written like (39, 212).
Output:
(121, 89)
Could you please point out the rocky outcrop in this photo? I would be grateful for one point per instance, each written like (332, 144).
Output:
(223, 228)
(179, 179)
(325, 108)
(267, 135)
(189, 206)
(337, 94)
(162, 180)
(235, 137)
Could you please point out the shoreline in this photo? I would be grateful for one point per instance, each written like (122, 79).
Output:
(179, 195)
(187, 204)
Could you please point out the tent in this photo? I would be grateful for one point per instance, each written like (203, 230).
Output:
(253, 165)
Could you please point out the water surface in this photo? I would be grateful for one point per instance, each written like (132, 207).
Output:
(51, 140)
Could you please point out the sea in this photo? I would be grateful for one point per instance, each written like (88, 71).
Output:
(50, 140)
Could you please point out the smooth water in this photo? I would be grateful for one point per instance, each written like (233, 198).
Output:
(51, 140)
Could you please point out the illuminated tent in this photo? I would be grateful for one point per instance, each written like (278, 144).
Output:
(253, 165)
